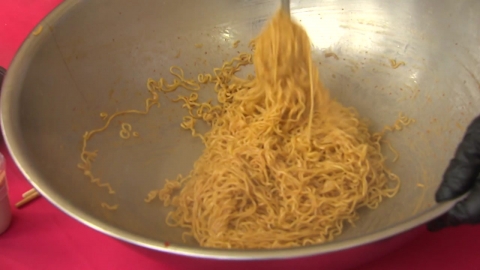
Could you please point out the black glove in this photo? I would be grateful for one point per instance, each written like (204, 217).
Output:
(462, 176)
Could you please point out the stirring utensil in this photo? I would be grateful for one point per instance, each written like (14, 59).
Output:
(286, 6)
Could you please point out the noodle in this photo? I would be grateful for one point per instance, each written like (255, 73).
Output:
(332, 54)
(109, 207)
(400, 123)
(125, 131)
(284, 165)
(38, 30)
(396, 64)
(87, 157)
(395, 153)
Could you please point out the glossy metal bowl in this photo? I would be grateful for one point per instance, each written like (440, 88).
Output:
(95, 56)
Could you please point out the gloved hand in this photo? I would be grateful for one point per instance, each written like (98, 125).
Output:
(460, 177)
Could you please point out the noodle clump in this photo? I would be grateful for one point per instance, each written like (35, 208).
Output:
(284, 164)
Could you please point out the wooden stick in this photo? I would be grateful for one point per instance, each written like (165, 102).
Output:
(30, 192)
(2, 175)
(27, 199)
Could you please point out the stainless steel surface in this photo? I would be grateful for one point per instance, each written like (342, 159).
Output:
(95, 56)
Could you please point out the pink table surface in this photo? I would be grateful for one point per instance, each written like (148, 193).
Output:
(43, 237)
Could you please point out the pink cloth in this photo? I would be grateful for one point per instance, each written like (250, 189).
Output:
(43, 237)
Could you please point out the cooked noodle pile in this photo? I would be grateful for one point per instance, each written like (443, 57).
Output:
(284, 165)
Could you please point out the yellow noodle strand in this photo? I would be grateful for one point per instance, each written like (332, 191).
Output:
(87, 157)
(109, 207)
